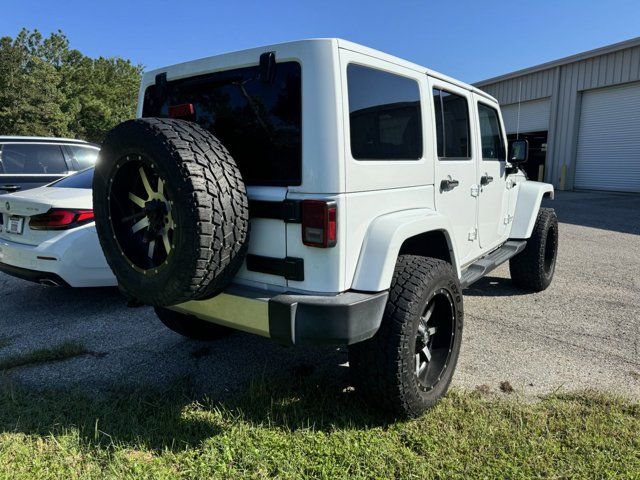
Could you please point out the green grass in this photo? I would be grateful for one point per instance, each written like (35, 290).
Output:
(62, 351)
(312, 429)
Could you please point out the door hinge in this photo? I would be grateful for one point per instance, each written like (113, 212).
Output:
(290, 268)
(475, 190)
(473, 234)
(286, 210)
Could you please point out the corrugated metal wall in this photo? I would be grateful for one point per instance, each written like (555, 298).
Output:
(564, 84)
(535, 85)
(529, 116)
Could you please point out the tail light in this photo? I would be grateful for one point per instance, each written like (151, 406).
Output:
(319, 223)
(184, 110)
(60, 219)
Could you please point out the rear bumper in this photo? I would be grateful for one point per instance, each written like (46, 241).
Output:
(44, 278)
(73, 255)
(289, 319)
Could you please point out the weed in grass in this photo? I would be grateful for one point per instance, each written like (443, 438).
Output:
(60, 352)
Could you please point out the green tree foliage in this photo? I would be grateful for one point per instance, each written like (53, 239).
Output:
(48, 89)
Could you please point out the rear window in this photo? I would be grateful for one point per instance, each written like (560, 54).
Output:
(259, 123)
(86, 157)
(32, 158)
(384, 115)
(83, 179)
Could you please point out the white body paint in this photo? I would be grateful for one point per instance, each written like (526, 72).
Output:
(74, 254)
(381, 204)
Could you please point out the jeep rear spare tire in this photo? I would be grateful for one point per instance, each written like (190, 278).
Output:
(171, 210)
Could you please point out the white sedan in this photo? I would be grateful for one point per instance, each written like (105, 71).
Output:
(48, 235)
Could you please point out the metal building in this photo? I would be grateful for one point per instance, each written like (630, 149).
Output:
(581, 115)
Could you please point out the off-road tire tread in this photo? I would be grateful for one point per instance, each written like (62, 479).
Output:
(208, 166)
(378, 365)
(218, 208)
(527, 268)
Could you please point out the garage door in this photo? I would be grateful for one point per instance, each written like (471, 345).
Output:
(534, 116)
(608, 153)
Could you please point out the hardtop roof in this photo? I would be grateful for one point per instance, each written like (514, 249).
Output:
(344, 44)
(356, 47)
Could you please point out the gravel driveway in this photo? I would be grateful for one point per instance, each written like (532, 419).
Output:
(583, 332)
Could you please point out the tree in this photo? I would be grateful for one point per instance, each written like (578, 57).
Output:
(48, 89)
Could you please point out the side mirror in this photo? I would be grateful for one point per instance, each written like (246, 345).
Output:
(518, 151)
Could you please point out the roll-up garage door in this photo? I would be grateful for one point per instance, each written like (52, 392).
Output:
(534, 116)
(608, 153)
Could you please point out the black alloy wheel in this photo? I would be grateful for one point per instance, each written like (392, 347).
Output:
(435, 339)
(140, 211)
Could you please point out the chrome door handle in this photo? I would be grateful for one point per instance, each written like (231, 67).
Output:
(486, 180)
(448, 184)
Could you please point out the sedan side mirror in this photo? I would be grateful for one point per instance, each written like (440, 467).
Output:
(518, 151)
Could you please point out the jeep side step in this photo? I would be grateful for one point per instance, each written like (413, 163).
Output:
(479, 269)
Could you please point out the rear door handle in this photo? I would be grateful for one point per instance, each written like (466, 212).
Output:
(10, 188)
(486, 180)
(448, 184)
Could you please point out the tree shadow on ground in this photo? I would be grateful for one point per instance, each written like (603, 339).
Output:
(603, 210)
(179, 418)
(242, 378)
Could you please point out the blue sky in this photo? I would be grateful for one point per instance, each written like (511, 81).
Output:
(470, 40)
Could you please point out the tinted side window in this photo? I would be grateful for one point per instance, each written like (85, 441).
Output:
(437, 111)
(30, 158)
(384, 115)
(490, 133)
(83, 179)
(452, 125)
(86, 157)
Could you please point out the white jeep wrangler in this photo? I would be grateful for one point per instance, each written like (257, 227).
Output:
(321, 192)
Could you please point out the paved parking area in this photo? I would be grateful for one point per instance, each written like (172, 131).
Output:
(583, 332)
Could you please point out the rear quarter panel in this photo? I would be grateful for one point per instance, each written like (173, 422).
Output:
(365, 175)
(383, 242)
(334, 269)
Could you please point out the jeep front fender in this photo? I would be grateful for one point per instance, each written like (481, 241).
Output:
(383, 240)
(527, 206)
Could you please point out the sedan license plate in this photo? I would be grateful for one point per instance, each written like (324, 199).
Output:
(15, 225)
